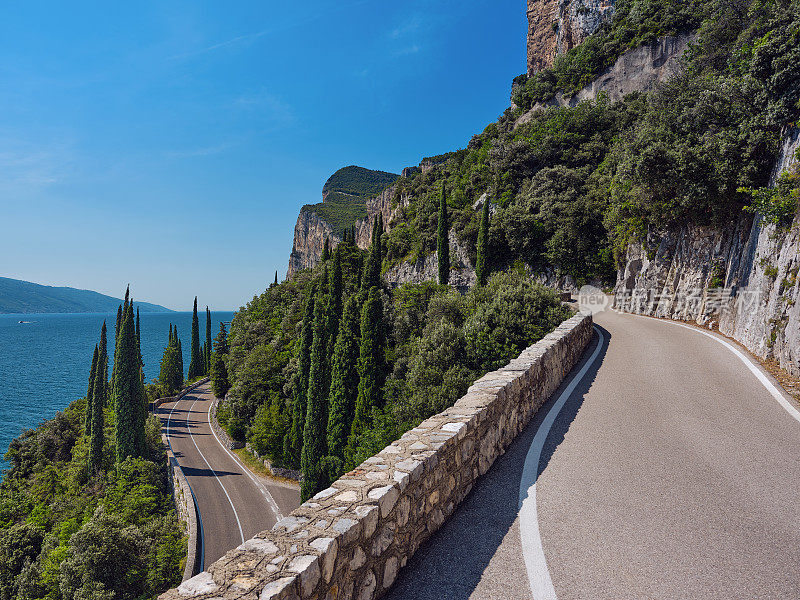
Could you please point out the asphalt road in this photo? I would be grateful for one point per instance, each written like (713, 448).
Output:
(234, 503)
(670, 471)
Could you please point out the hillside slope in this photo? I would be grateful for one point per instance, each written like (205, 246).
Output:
(24, 297)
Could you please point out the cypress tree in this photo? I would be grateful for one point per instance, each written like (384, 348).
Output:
(326, 250)
(87, 420)
(276, 278)
(334, 307)
(300, 396)
(119, 323)
(372, 267)
(127, 296)
(170, 376)
(344, 380)
(128, 392)
(370, 367)
(219, 372)
(314, 439)
(442, 241)
(102, 366)
(208, 342)
(97, 438)
(483, 237)
(381, 231)
(180, 354)
(195, 360)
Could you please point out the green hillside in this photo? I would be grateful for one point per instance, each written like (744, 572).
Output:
(25, 297)
(345, 194)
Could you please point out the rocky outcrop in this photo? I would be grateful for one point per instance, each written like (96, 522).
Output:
(556, 26)
(310, 233)
(743, 279)
(352, 539)
(637, 70)
(462, 272)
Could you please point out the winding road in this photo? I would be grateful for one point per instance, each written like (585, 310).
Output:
(234, 504)
(666, 466)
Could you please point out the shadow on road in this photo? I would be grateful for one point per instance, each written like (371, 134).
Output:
(194, 472)
(451, 564)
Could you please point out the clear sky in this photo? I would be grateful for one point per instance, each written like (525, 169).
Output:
(172, 144)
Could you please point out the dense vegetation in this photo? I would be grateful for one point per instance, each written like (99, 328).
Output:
(332, 365)
(571, 186)
(345, 195)
(85, 507)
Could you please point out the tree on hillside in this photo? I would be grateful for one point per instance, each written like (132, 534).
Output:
(208, 343)
(300, 395)
(333, 312)
(195, 359)
(97, 439)
(87, 423)
(326, 249)
(128, 392)
(314, 440)
(138, 335)
(442, 241)
(370, 367)
(101, 388)
(276, 278)
(344, 380)
(483, 238)
(372, 266)
(170, 376)
(219, 372)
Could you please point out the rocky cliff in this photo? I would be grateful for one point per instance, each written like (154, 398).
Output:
(556, 26)
(310, 233)
(637, 70)
(742, 279)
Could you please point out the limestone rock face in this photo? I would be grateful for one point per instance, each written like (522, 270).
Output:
(637, 70)
(556, 26)
(309, 239)
(743, 278)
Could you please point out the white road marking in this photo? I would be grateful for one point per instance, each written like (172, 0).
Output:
(532, 550)
(771, 388)
(194, 500)
(235, 514)
(246, 471)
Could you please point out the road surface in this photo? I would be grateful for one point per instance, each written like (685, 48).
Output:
(670, 471)
(234, 503)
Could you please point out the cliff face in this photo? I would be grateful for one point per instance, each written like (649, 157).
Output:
(310, 232)
(637, 70)
(556, 26)
(744, 278)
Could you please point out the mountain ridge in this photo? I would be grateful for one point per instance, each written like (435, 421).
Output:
(25, 297)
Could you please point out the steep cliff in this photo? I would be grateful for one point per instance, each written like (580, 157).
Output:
(743, 279)
(556, 26)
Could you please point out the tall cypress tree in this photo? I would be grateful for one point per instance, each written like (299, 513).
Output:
(344, 380)
(326, 250)
(442, 241)
(276, 278)
(334, 308)
(208, 342)
(314, 439)
(128, 392)
(300, 396)
(87, 420)
(102, 365)
(170, 376)
(97, 436)
(370, 367)
(483, 238)
(219, 372)
(180, 354)
(116, 339)
(372, 267)
(195, 360)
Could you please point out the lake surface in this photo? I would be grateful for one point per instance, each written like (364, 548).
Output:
(45, 361)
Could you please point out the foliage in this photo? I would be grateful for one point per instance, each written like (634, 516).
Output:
(195, 358)
(777, 204)
(219, 371)
(129, 401)
(442, 240)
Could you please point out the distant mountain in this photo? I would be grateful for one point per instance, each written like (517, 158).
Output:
(25, 297)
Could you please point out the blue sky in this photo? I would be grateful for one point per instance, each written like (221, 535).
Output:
(171, 145)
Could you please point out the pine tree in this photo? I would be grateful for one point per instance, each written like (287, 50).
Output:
(219, 372)
(314, 440)
(300, 396)
(128, 392)
(442, 241)
(195, 360)
(483, 238)
(370, 367)
(87, 420)
(208, 343)
(344, 380)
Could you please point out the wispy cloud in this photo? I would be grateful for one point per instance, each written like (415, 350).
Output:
(33, 165)
(408, 37)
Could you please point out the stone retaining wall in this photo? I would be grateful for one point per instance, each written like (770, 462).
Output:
(351, 539)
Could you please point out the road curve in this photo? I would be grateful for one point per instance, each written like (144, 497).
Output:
(234, 504)
(670, 471)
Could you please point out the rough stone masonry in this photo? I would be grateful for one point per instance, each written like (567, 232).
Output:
(350, 540)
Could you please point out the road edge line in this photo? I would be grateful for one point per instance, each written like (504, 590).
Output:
(539, 579)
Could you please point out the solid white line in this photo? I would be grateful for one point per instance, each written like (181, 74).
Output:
(532, 550)
(235, 514)
(774, 391)
(194, 500)
(246, 471)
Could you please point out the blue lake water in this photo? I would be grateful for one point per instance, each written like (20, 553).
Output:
(45, 362)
